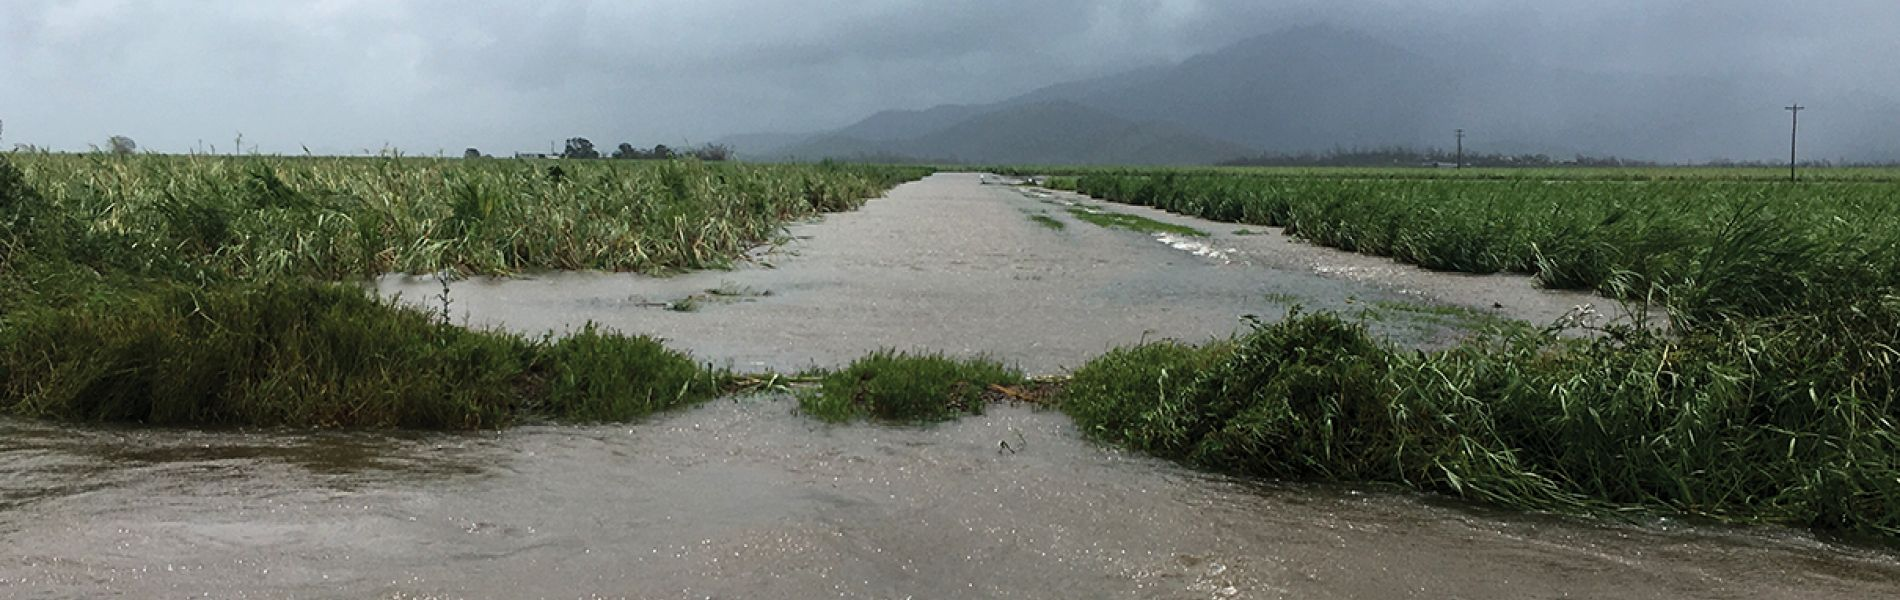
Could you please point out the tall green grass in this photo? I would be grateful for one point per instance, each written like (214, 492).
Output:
(316, 355)
(1771, 397)
(343, 217)
(1887, 174)
(1711, 248)
(1763, 424)
(903, 387)
(194, 290)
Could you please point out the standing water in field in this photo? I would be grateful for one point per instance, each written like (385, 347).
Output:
(744, 499)
(950, 264)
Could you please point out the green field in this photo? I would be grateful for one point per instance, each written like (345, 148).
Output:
(1771, 396)
(209, 290)
(338, 217)
(1709, 248)
(213, 291)
(1704, 174)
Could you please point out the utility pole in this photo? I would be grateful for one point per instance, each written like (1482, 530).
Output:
(1461, 148)
(1794, 127)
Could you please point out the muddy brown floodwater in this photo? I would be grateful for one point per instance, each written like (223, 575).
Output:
(956, 265)
(743, 498)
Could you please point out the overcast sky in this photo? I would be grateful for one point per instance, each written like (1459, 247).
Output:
(344, 76)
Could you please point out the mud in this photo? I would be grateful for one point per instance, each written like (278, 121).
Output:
(744, 499)
(953, 264)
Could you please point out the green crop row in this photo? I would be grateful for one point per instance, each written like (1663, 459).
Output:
(340, 217)
(1708, 249)
(1772, 397)
(1761, 423)
(198, 290)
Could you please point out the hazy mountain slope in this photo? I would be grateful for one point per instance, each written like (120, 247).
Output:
(749, 145)
(1046, 133)
(894, 125)
(1303, 89)
(1318, 88)
(1065, 132)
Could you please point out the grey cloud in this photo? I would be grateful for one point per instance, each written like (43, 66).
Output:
(345, 75)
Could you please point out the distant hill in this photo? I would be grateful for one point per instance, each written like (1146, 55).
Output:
(1044, 132)
(1322, 88)
(896, 125)
(753, 145)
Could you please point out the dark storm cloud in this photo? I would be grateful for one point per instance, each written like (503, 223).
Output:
(346, 75)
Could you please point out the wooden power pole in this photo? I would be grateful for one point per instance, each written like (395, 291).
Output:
(1794, 128)
(1461, 148)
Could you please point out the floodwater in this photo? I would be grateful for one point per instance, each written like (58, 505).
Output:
(744, 499)
(955, 265)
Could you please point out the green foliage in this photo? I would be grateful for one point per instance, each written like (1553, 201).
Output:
(1762, 421)
(1115, 220)
(263, 217)
(596, 376)
(187, 290)
(253, 354)
(1709, 249)
(902, 387)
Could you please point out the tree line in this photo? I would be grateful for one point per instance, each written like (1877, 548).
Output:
(583, 148)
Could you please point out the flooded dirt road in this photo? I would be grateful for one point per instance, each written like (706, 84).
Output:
(956, 265)
(744, 499)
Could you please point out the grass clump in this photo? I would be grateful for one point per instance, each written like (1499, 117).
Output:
(262, 354)
(1442, 315)
(316, 355)
(1048, 222)
(1295, 399)
(911, 388)
(1115, 220)
(1760, 422)
(594, 376)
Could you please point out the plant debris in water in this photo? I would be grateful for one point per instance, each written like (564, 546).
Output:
(1115, 220)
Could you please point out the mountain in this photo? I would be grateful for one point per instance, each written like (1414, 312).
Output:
(1319, 88)
(1056, 132)
(894, 125)
(749, 145)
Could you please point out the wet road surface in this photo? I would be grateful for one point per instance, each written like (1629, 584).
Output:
(744, 499)
(956, 265)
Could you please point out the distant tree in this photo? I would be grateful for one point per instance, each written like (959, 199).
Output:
(626, 151)
(661, 152)
(580, 147)
(466, 154)
(121, 145)
(712, 153)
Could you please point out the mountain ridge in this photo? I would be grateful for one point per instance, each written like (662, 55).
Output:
(1320, 87)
